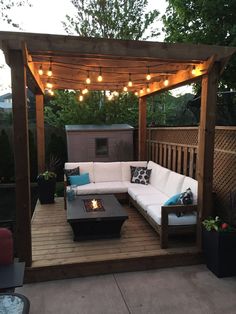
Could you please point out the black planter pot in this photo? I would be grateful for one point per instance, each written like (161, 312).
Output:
(46, 190)
(219, 249)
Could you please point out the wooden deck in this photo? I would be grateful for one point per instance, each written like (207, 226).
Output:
(56, 256)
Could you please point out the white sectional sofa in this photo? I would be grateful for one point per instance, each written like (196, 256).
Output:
(114, 178)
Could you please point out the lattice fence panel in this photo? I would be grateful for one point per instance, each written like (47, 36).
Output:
(186, 136)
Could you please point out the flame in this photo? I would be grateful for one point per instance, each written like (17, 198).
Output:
(94, 204)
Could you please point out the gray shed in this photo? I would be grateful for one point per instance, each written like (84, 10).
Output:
(99, 142)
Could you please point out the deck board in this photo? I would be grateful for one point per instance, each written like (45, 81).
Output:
(55, 252)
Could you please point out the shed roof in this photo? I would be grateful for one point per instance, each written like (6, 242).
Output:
(96, 127)
(74, 58)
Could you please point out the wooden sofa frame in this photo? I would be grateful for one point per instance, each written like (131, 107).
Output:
(164, 230)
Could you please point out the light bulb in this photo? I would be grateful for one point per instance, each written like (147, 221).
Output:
(49, 73)
(40, 71)
(100, 75)
(88, 81)
(166, 82)
(130, 84)
(194, 72)
(148, 89)
(49, 85)
(125, 89)
(115, 93)
(85, 90)
(51, 92)
(81, 97)
(148, 76)
(136, 93)
(141, 91)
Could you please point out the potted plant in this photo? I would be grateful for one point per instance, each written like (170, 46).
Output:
(46, 187)
(219, 247)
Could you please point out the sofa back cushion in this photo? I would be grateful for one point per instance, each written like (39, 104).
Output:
(161, 180)
(174, 184)
(154, 179)
(125, 166)
(83, 167)
(193, 185)
(107, 171)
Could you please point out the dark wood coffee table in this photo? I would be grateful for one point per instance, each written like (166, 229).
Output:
(105, 222)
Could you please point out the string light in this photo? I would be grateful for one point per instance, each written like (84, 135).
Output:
(51, 92)
(148, 77)
(115, 93)
(49, 72)
(85, 90)
(194, 72)
(130, 84)
(49, 84)
(88, 80)
(81, 97)
(166, 82)
(136, 93)
(100, 75)
(148, 88)
(40, 71)
(125, 89)
(141, 91)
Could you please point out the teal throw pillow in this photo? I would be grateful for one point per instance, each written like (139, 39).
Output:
(173, 200)
(80, 180)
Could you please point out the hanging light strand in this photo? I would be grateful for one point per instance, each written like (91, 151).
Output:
(100, 75)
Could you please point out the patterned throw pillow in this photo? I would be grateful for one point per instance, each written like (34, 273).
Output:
(132, 170)
(140, 175)
(186, 198)
(71, 172)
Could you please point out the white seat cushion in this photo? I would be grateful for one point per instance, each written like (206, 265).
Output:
(110, 187)
(83, 167)
(154, 211)
(86, 189)
(193, 185)
(154, 178)
(145, 200)
(107, 171)
(174, 183)
(135, 189)
(125, 166)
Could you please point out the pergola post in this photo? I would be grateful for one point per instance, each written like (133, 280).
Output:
(40, 132)
(21, 156)
(206, 137)
(142, 129)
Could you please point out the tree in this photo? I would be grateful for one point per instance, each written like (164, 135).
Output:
(119, 19)
(6, 6)
(207, 22)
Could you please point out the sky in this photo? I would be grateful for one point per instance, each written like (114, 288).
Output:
(42, 17)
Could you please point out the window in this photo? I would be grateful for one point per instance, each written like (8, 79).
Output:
(101, 147)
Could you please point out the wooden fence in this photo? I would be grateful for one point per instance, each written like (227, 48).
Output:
(176, 149)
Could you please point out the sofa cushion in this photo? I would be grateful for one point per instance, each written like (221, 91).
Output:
(193, 185)
(135, 189)
(140, 175)
(79, 180)
(145, 200)
(174, 183)
(125, 166)
(154, 211)
(173, 200)
(86, 189)
(111, 187)
(71, 172)
(107, 171)
(83, 166)
(154, 179)
(161, 181)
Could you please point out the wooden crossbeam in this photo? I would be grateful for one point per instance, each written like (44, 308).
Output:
(31, 68)
(182, 77)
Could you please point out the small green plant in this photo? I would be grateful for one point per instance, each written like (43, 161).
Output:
(47, 175)
(216, 224)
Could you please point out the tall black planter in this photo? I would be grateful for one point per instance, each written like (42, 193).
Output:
(219, 249)
(46, 190)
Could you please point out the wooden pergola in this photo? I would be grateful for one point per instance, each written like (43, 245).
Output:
(72, 60)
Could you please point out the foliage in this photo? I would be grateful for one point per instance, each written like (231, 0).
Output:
(216, 224)
(119, 19)
(95, 109)
(6, 6)
(6, 159)
(47, 175)
(206, 22)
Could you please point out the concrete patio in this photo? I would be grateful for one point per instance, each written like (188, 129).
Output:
(191, 289)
